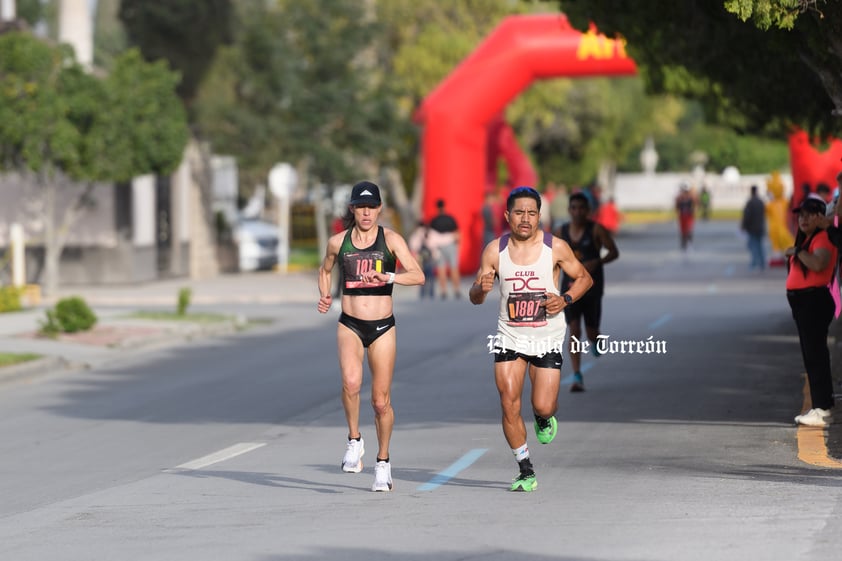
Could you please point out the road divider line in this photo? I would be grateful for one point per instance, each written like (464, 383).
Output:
(222, 455)
(812, 448)
(660, 321)
(453, 469)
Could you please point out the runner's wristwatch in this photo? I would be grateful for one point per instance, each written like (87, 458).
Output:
(567, 298)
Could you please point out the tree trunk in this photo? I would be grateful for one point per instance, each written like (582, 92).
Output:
(606, 178)
(179, 194)
(322, 224)
(394, 184)
(418, 191)
(203, 258)
(57, 232)
(52, 251)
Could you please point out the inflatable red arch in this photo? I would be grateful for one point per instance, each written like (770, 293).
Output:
(810, 166)
(457, 113)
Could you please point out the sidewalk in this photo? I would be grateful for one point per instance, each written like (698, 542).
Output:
(242, 297)
(242, 288)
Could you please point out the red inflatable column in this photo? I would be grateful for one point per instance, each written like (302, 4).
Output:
(456, 114)
(811, 167)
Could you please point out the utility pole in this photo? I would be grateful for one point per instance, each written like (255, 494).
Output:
(8, 10)
(75, 26)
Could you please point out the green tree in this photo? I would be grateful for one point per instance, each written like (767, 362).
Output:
(186, 33)
(302, 83)
(721, 146)
(570, 127)
(429, 38)
(142, 124)
(424, 40)
(587, 127)
(783, 68)
(109, 35)
(59, 124)
(30, 11)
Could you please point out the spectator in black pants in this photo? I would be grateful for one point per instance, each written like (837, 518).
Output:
(754, 225)
(811, 265)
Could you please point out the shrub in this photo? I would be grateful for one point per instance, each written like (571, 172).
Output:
(183, 300)
(10, 299)
(73, 314)
(50, 327)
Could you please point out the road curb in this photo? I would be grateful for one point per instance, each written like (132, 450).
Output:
(834, 432)
(170, 334)
(179, 334)
(36, 367)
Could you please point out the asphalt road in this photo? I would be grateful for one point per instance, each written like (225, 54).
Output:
(230, 449)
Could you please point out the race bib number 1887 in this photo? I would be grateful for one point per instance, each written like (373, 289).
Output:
(525, 309)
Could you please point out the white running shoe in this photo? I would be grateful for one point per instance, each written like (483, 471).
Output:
(814, 418)
(382, 477)
(353, 460)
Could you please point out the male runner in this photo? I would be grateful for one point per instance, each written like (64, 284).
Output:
(530, 327)
(587, 239)
(685, 208)
(367, 254)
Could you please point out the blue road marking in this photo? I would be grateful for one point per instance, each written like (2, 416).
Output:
(660, 321)
(730, 270)
(453, 469)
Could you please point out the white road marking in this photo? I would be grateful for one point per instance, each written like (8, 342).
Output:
(222, 455)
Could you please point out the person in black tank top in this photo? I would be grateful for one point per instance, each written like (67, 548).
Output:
(367, 255)
(587, 239)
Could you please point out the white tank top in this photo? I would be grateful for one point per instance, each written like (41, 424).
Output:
(523, 325)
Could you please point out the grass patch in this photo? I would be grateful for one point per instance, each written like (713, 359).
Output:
(305, 257)
(8, 359)
(646, 216)
(241, 322)
(260, 321)
(727, 214)
(650, 216)
(189, 317)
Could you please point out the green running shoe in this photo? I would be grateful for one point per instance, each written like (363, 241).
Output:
(525, 482)
(546, 434)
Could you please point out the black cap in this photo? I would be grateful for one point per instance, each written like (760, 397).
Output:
(365, 193)
(812, 203)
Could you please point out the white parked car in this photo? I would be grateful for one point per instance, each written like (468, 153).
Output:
(257, 242)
